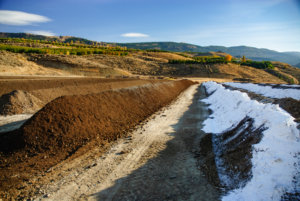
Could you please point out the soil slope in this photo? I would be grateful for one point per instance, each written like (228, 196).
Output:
(157, 162)
(29, 94)
(18, 64)
(19, 102)
(71, 125)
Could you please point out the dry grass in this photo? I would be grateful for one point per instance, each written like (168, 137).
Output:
(17, 64)
(162, 56)
(288, 69)
(254, 74)
(140, 63)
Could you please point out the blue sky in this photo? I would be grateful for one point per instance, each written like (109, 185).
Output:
(272, 24)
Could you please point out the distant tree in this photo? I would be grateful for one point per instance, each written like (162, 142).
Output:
(228, 57)
(244, 59)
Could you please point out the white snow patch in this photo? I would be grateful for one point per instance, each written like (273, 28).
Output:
(275, 158)
(12, 122)
(268, 91)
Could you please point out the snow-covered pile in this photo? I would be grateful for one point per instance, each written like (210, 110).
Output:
(268, 91)
(12, 122)
(275, 160)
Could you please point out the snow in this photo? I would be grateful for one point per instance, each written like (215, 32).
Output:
(275, 158)
(268, 91)
(12, 122)
(291, 85)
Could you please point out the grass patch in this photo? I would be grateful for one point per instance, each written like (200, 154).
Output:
(201, 60)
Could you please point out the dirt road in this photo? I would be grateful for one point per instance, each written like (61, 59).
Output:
(156, 163)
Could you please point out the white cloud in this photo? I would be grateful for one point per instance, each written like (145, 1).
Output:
(19, 18)
(43, 33)
(135, 35)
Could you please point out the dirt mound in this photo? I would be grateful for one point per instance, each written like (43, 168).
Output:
(71, 121)
(47, 89)
(75, 124)
(18, 102)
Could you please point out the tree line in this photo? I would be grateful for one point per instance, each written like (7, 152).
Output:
(63, 51)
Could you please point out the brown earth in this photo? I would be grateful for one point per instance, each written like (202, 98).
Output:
(34, 92)
(71, 125)
(19, 102)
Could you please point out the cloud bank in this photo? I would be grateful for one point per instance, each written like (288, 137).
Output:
(135, 35)
(43, 33)
(19, 18)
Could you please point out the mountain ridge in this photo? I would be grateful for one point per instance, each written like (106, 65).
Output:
(258, 54)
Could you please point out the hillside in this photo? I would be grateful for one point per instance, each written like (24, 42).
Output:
(65, 39)
(257, 54)
(44, 57)
(68, 132)
(253, 53)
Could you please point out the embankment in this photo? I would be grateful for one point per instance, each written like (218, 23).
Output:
(28, 95)
(71, 125)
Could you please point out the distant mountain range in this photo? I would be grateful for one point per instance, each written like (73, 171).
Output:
(258, 54)
(64, 39)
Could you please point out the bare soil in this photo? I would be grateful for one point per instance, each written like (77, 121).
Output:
(19, 102)
(156, 162)
(70, 126)
(29, 94)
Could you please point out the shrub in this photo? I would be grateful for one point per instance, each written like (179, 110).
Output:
(201, 60)
(228, 58)
(258, 64)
